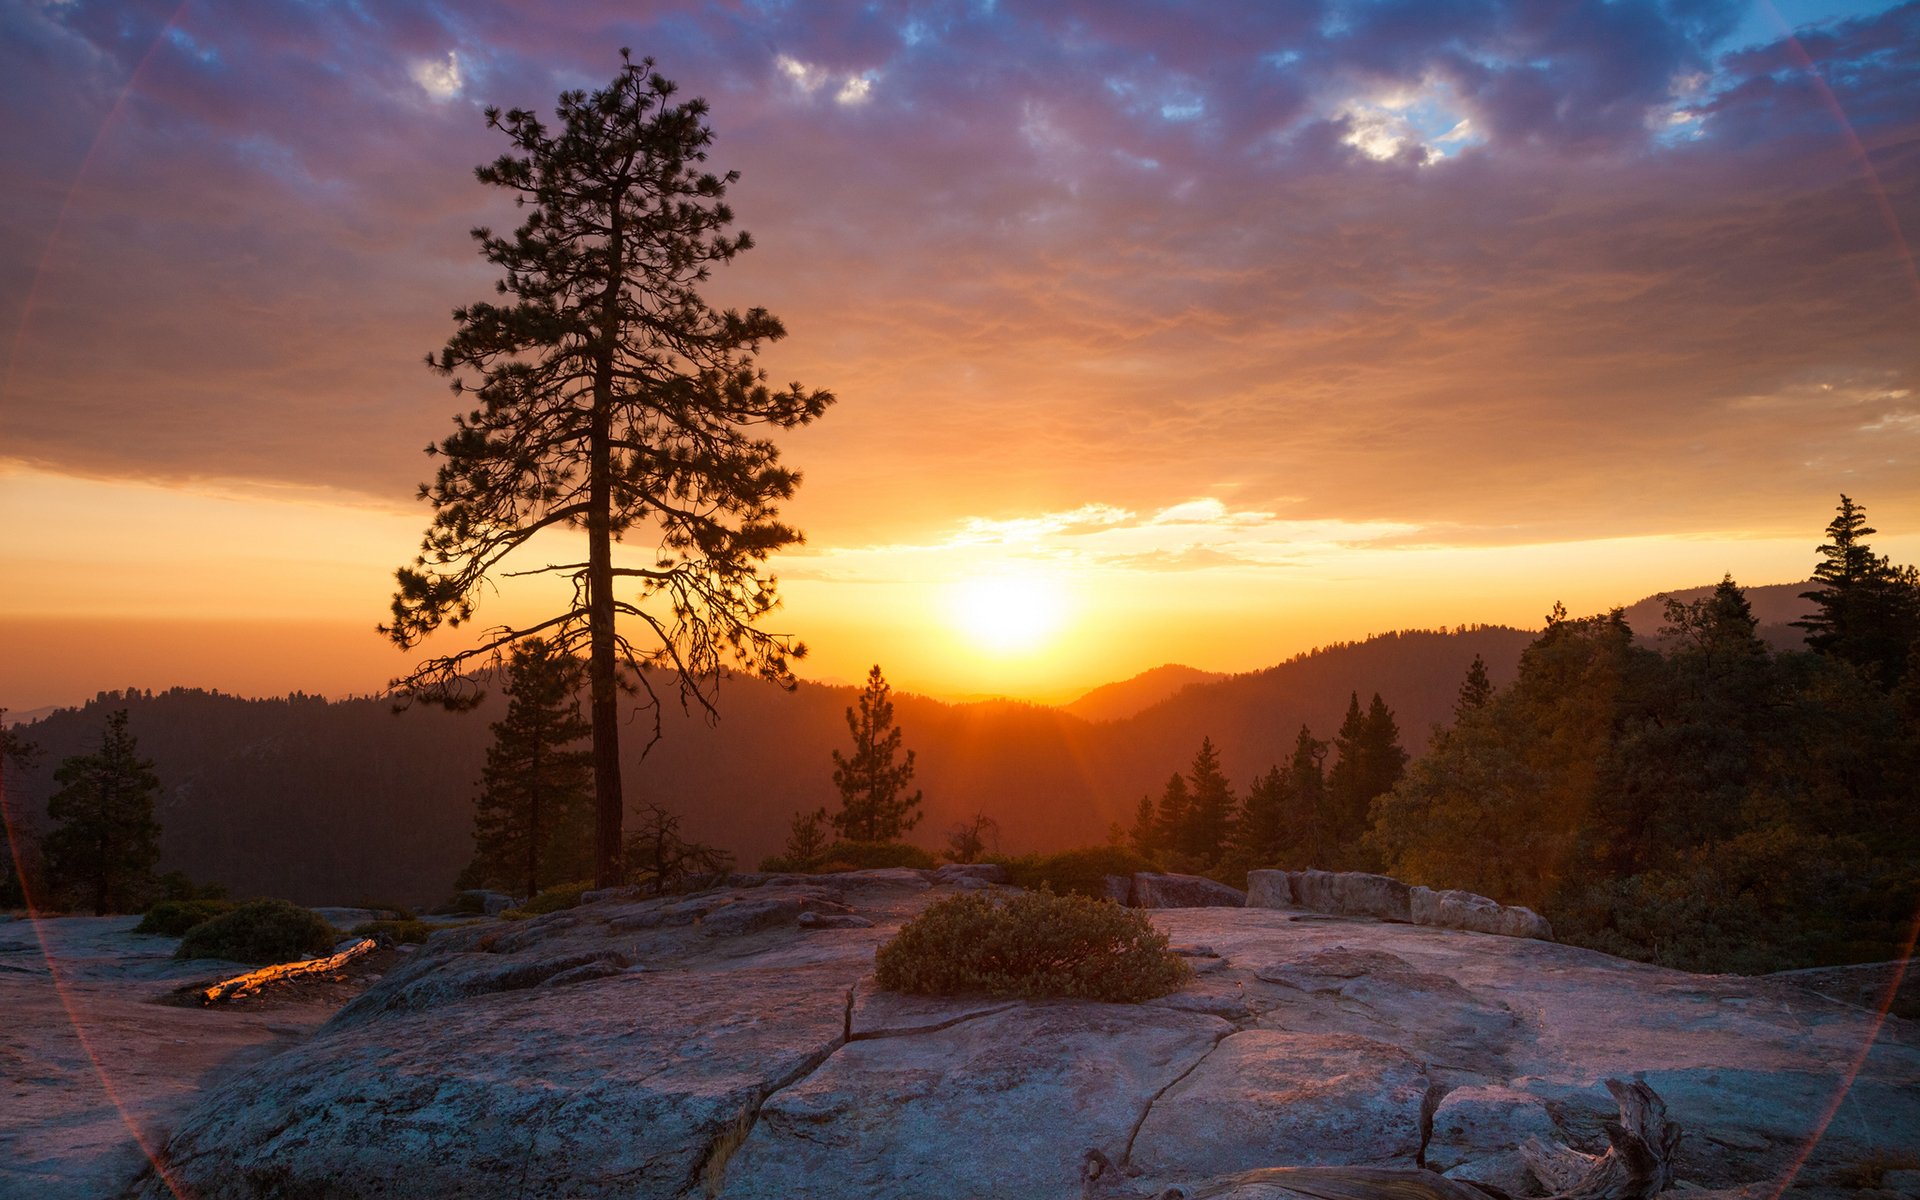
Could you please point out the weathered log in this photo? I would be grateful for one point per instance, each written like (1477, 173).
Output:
(1638, 1164)
(253, 981)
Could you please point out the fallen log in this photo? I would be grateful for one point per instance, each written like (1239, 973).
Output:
(253, 981)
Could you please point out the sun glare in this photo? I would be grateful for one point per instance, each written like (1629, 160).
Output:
(1008, 614)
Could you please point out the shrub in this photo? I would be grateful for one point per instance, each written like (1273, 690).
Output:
(1081, 872)
(869, 856)
(1033, 945)
(560, 896)
(262, 931)
(173, 918)
(397, 932)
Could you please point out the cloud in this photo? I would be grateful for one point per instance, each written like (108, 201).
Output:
(439, 79)
(1510, 269)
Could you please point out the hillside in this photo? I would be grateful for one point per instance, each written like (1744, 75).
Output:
(346, 801)
(1775, 606)
(1113, 701)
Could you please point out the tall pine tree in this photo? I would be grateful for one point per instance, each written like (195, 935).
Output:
(874, 803)
(1260, 835)
(610, 398)
(533, 823)
(105, 838)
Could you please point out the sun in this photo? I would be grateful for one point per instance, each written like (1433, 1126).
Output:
(1008, 613)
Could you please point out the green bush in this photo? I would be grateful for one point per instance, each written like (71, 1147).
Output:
(560, 896)
(1033, 945)
(172, 918)
(262, 931)
(398, 932)
(1081, 872)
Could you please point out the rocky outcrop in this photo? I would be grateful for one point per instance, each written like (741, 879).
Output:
(664, 1048)
(1351, 893)
(1466, 911)
(1150, 890)
(1357, 894)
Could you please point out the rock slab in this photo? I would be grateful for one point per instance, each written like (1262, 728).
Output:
(1151, 890)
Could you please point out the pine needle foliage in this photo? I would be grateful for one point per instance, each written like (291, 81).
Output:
(106, 838)
(533, 821)
(1034, 945)
(610, 398)
(875, 805)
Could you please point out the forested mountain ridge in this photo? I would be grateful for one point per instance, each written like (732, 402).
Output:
(343, 801)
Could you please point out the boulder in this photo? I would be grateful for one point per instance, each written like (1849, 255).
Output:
(1351, 894)
(1183, 891)
(1269, 889)
(1452, 909)
(1117, 888)
(489, 902)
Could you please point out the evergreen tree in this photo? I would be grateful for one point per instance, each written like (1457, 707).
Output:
(1144, 837)
(17, 865)
(1868, 610)
(1210, 809)
(1174, 815)
(1259, 836)
(1475, 690)
(1306, 776)
(1385, 757)
(533, 823)
(806, 839)
(875, 806)
(1344, 817)
(610, 398)
(105, 839)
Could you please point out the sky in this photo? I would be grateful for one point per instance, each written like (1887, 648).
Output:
(1160, 332)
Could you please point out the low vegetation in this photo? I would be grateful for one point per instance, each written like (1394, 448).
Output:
(261, 931)
(173, 918)
(1034, 945)
(1081, 872)
(407, 932)
(854, 856)
(554, 899)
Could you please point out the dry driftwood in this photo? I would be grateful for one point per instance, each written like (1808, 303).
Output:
(1638, 1165)
(253, 981)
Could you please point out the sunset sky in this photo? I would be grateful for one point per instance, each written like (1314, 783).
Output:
(1202, 333)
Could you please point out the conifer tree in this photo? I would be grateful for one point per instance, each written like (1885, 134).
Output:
(105, 840)
(1868, 610)
(875, 806)
(1173, 814)
(533, 823)
(17, 864)
(806, 838)
(1309, 788)
(1259, 835)
(610, 398)
(1144, 837)
(1210, 809)
(1475, 690)
(1346, 806)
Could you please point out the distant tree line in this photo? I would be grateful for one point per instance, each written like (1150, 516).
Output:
(1300, 812)
(1711, 804)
